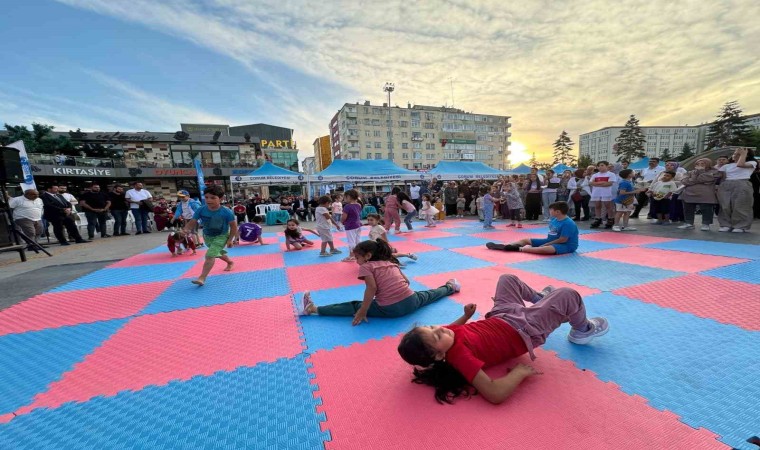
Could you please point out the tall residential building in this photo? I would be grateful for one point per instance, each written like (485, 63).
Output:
(421, 136)
(322, 152)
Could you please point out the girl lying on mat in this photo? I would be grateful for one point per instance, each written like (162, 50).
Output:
(387, 293)
(451, 358)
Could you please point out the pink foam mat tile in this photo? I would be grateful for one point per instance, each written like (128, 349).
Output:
(666, 259)
(507, 236)
(545, 412)
(497, 256)
(323, 276)
(147, 259)
(410, 246)
(242, 264)
(428, 234)
(56, 309)
(726, 301)
(338, 243)
(156, 349)
(625, 238)
(479, 285)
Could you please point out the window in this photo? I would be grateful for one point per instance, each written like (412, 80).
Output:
(416, 115)
(429, 116)
(378, 145)
(367, 133)
(366, 121)
(430, 156)
(388, 134)
(366, 110)
(406, 166)
(390, 146)
(416, 136)
(417, 155)
(429, 125)
(405, 134)
(369, 155)
(403, 124)
(429, 146)
(416, 144)
(378, 156)
(369, 144)
(429, 135)
(403, 114)
(375, 122)
(377, 133)
(404, 145)
(405, 156)
(376, 111)
(415, 123)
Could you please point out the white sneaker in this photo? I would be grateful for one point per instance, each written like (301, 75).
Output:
(616, 228)
(705, 228)
(737, 230)
(454, 284)
(630, 229)
(686, 226)
(307, 304)
(724, 229)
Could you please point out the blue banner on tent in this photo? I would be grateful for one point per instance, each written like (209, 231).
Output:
(201, 181)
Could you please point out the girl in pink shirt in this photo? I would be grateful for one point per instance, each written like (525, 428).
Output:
(387, 293)
(391, 215)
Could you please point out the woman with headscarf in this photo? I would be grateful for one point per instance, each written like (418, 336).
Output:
(699, 191)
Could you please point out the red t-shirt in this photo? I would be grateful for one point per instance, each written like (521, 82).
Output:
(481, 344)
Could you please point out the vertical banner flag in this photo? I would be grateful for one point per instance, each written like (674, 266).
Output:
(201, 182)
(25, 166)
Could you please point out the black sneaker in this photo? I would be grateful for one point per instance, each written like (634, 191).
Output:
(495, 246)
(146, 232)
(139, 232)
(64, 243)
(596, 223)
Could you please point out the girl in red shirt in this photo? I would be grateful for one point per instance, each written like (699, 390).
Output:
(451, 358)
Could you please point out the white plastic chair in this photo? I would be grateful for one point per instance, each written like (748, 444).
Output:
(273, 207)
(261, 210)
(82, 220)
(131, 219)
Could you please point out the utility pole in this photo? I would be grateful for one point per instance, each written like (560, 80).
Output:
(389, 87)
(451, 80)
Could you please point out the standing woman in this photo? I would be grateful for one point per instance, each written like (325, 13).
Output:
(533, 197)
(699, 190)
(549, 192)
(735, 192)
(563, 193)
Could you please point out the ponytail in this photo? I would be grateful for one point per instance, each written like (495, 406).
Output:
(447, 382)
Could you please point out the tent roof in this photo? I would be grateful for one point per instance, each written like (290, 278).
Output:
(365, 170)
(269, 169)
(522, 169)
(643, 163)
(464, 170)
(559, 168)
(268, 173)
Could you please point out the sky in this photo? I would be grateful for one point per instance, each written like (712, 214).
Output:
(578, 66)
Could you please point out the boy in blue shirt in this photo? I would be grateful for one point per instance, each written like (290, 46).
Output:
(624, 201)
(562, 237)
(219, 230)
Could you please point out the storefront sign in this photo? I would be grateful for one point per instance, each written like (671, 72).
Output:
(83, 172)
(175, 172)
(275, 143)
(119, 136)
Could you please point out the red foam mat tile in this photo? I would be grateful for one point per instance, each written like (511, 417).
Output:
(497, 256)
(727, 301)
(338, 243)
(429, 234)
(624, 238)
(242, 264)
(56, 309)
(666, 259)
(564, 408)
(148, 259)
(323, 276)
(508, 235)
(479, 285)
(156, 349)
(408, 246)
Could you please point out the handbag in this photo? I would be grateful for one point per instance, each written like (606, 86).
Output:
(146, 205)
(576, 196)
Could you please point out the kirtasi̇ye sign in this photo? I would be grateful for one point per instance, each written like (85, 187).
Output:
(75, 171)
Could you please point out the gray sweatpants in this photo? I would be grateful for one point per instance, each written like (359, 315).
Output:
(536, 322)
(735, 198)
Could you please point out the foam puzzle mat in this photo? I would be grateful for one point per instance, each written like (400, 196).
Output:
(135, 356)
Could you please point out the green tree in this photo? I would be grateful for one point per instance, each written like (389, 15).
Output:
(631, 142)
(665, 155)
(686, 152)
(544, 166)
(584, 161)
(39, 139)
(563, 148)
(533, 161)
(753, 139)
(728, 129)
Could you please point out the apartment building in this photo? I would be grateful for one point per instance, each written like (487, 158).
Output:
(323, 155)
(418, 137)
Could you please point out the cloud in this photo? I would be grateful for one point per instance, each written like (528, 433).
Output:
(576, 65)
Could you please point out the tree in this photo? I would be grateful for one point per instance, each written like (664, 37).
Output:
(39, 139)
(563, 148)
(665, 155)
(686, 152)
(584, 161)
(544, 166)
(533, 161)
(753, 139)
(631, 142)
(729, 128)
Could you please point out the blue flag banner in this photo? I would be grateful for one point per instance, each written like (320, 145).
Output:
(201, 181)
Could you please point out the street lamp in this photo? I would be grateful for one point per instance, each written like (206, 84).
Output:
(389, 87)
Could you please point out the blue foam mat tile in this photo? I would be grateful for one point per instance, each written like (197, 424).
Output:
(746, 251)
(748, 272)
(454, 242)
(443, 261)
(585, 246)
(30, 361)
(471, 229)
(307, 257)
(596, 273)
(270, 405)
(328, 332)
(700, 369)
(121, 276)
(545, 230)
(219, 289)
(159, 249)
(251, 249)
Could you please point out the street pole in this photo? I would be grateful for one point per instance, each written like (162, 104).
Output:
(389, 87)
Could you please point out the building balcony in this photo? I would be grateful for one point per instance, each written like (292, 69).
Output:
(353, 137)
(351, 115)
(417, 138)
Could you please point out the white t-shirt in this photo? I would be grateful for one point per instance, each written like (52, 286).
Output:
(70, 198)
(23, 208)
(376, 232)
(322, 221)
(414, 192)
(602, 191)
(738, 173)
(136, 196)
(650, 174)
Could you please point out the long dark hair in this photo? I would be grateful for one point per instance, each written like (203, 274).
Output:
(401, 196)
(448, 382)
(295, 234)
(380, 250)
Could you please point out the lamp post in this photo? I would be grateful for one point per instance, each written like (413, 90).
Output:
(389, 87)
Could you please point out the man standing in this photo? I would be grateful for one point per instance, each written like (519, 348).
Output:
(645, 178)
(59, 213)
(139, 203)
(96, 204)
(27, 213)
(119, 210)
(414, 194)
(63, 190)
(450, 194)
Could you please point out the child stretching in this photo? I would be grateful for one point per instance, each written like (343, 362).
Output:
(324, 220)
(408, 207)
(387, 293)
(562, 237)
(294, 236)
(176, 241)
(352, 223)
(219, 230)
(624, 201)
(377, 232)
(251, 231)
(428, 211)
(451, 358)
(337, 209)
(661, 191)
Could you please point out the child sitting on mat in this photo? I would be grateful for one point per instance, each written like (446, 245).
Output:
(377, 232)
(451, 358)
(387, 292)
(294, 236)
(251, 231)
(178, 243)
(562, 237)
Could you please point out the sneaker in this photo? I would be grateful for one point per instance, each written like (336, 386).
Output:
(616, 228)
(307, 304)
(705, 228)
(495, 246)
(596, 223)
(724, 229)
(599, 327)
(737, 230)
(686, 226)
(547, 290)
(324, 254)
(630, 228)
(412, 256)
(336, 252)
(454, 284)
